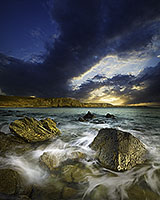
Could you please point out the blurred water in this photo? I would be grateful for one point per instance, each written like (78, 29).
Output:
(144, 123)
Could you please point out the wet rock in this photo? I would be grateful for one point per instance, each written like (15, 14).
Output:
(12, 144)
(87, 117)
(118, 150)
(33, 130)
(99, 192)
(77, 155)
(81, 119)
(108, 115)
(23, 197)
(50, 190)
(75, 173)
(50, 161)
(68, 192)
(12, 184)
(138, 193)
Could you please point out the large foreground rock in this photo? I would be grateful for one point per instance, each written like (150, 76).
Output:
(10, 144)
(12, 185)
(118, 150)
(33, 130)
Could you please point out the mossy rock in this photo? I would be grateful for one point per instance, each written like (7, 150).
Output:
(118, 150)
(12, 144)
(137, 193)
(33, 130)
(75, 173)
(50, 161)
(50, 190)
(23, 197)
(68, 192)
(99, 192)
(12, 184)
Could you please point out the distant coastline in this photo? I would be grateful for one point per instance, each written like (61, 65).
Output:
(33, 102)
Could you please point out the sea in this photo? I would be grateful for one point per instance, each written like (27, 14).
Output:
(141, 182)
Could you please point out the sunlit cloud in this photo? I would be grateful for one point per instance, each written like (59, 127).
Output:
(106, 94)
(139, 87)
(111, 65)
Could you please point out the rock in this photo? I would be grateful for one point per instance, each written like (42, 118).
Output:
(118, 150)
(68, 192)
(99, 192)
(23, 197)
(87, 117)
(108, 115)
(50, 161)
(81, 119)
(51, 190)
(12, 144)
(75, 173)
(138, 193)
(33, 130)
(12, 184)
(77, 155)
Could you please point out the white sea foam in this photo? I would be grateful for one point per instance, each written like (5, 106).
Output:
(76, 136)
(28, 169)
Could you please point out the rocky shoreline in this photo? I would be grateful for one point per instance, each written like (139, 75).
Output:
(33, 102)
(114, 149)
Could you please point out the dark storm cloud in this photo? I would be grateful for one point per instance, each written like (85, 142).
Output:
(88, 31)
(149, 77)
(114, 84)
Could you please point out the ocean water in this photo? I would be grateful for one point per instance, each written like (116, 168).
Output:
(141, 182)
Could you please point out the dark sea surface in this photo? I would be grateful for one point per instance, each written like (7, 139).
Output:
(143, 123)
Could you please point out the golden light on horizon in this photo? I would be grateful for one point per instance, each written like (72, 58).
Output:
(100, 96)
(112, 100)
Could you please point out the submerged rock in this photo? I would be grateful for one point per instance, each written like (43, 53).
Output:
(75, 173)
(68, 192)
(118, 150)
(12, 184)
(33, 130)
(108, 115)
(51, 190)
(138, 193)
(50, 161)
(87, 117)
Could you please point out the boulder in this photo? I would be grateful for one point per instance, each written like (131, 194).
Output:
(68, 192)
(87, 117)
(75, 173)
(138, 193)
(12, 144)
(51, 190)
(108, 115)
(49, 160)
(33, 130)
(12, 184)
(118, 150)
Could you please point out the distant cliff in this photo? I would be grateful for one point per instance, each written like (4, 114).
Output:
(14, 101)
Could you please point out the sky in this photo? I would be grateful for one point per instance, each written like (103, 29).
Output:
(104, 51)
